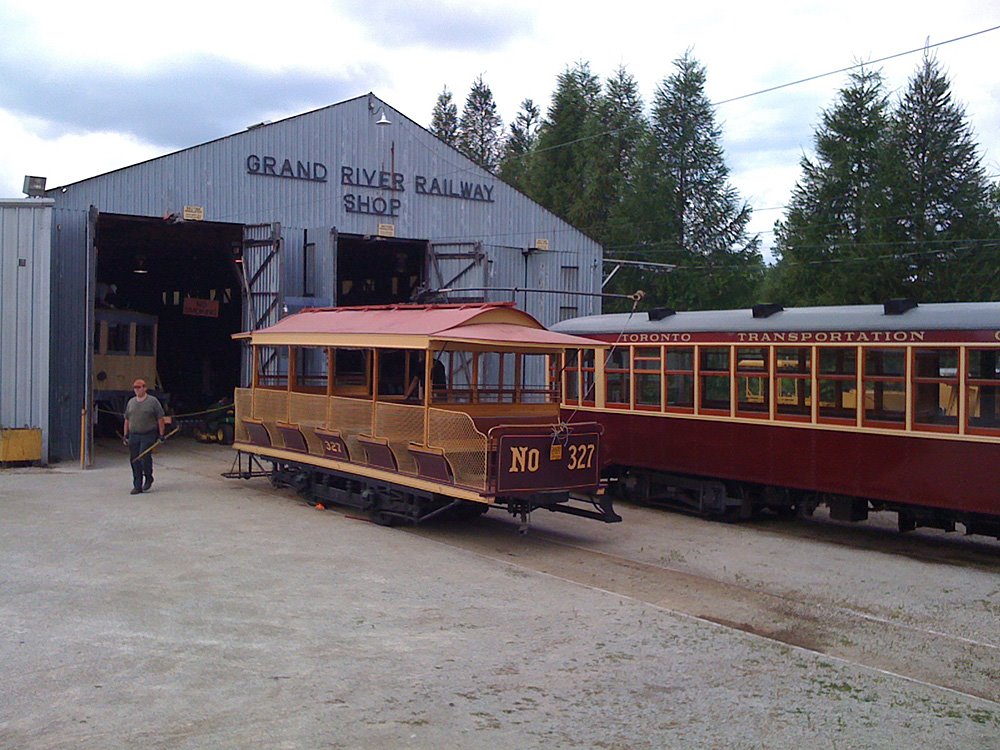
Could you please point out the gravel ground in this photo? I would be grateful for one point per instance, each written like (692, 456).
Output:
(219, 613)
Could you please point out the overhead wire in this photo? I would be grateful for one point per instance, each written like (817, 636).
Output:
(855, 66)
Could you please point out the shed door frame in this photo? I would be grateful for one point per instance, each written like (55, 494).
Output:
(262, 287)
(463, 263)
(89, 415)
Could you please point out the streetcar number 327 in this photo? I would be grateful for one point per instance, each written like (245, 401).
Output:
(528, 459)
(581, 456)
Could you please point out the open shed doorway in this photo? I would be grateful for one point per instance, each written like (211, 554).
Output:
(186, 274)
(374, 270)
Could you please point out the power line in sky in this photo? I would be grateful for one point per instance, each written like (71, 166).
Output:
(856, 66)
(789, 84)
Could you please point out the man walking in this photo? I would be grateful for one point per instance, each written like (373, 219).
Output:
(144, 425)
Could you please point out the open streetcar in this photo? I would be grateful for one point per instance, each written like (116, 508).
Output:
(411, 411)
(869, 407)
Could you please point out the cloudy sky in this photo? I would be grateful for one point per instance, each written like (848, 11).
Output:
(90, 87)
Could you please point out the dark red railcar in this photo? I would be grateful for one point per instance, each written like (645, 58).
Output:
(725, 413)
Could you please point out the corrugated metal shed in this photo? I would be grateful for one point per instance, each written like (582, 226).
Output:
(25, 250)
(334, 168)
(331, 172)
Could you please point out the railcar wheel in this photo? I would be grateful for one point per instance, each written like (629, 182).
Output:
(905, 522)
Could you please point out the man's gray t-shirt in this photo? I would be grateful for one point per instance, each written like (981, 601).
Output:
(143, 415)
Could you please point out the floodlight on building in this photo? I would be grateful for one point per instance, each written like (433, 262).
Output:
(382, 119)
(34, 187)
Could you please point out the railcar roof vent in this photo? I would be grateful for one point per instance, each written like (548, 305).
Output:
(659, 313)
(898, 306)
(766, 309)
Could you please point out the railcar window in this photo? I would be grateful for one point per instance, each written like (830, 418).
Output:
(616, 375)
(679, 370)
(646, 376)
(935, 389)
(572, 373)
(794, 381)
(272, 366)
(554, 381)
(752, 381)
(713, 369)
(97, 337)
(397, 373)
(351, 369)
(838, 383)
(118, 338)
(982, 391)
(885, 386)
(310, 369)
(145, 340)
(532, 384)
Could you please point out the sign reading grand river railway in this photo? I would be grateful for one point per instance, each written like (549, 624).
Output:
(396, 184)
(537, 460)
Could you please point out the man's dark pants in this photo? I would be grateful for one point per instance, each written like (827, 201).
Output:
(137, 443)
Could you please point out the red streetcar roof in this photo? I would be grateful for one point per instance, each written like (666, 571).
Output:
(399, 320)
(499, 333)
(416, 325)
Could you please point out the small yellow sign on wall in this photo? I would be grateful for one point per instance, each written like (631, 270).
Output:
(194, 213)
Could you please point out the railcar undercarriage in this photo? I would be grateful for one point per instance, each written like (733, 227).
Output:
(724, 500)
(389, 504)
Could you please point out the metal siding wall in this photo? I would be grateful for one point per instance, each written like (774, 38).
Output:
(25, 235)
(293, 247)
(214, 175)
(69, 339)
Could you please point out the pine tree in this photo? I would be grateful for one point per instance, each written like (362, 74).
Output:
(837, 242)
(682, 207)
(480, 129)
(523, 137)
(613, 135)
(560, 160)
(444, 118)
(943, 199)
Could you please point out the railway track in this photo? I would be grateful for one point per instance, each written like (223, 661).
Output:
(935, 654)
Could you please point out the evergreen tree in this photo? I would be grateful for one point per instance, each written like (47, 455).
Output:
(837, 242)
(480, 129)
(682, 209)
(523, 137)
(560, 160)
(943, 199)
(444, 118)
(614, 133)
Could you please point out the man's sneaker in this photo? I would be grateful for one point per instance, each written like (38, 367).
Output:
(135, 491)
(147, 484)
